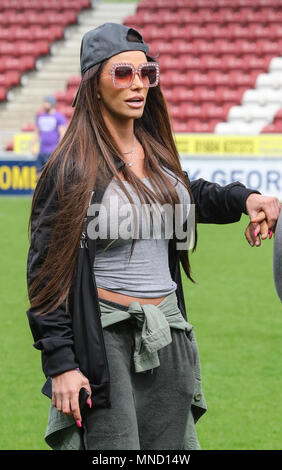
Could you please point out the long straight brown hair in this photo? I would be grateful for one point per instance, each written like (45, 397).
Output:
(85, 158)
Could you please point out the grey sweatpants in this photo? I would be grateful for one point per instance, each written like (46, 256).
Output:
(149, 409)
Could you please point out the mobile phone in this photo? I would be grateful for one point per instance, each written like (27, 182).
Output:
(83, 395)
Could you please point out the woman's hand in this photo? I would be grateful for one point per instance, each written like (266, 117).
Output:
(270, 206)
(254, 229)
(65, 393)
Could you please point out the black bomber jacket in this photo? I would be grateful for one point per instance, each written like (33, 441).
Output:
(72, 337)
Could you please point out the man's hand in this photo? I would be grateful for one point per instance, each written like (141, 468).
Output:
(270, 206)
(252, 230)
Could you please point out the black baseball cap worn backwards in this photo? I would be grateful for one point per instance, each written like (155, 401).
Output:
(104, 42)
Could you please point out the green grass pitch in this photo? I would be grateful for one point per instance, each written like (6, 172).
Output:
(237, 321)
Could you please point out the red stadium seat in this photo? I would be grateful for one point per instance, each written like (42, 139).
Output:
(194, 32)
(220, 46)
(4, 34)
(25, 48)
(209, 52)
(278, 116)
(66, 110)
(271, 129)
(10, 146)
(168, 62)
(189, 111)
(20, 33)
(10, 17)
(238, 31)
(173, 109)
(28, 127)
(217, 78)
(28, 62)
(204, 46)
(201, 126)
(189, 63)
(270, 15)
(166, 18)
(33, 18)
(231, 62)
(164, 48)
(252, 62)
(179, 126)
(205, 95)
(60, 19)
(175, 32)
(265, 47)
(244, 47)
(3, 81)
(229, 95)
(182, 47)
(43, 47)
(7, 49)
(197, 78)
(66, 97)
(230, 16)
(275, 31)
(74, 80)
(258, 31)
(173, 78)
(133, 21)
(9, 63)
(151, 34)
(29, 28)
(180, 94)
(209, 62)
(215, 31)
(239, 78)
(215, 111)
(50, 34)
(13, 78)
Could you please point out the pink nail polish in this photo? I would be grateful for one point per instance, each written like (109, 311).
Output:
(78, 422)
(90, 403)
(270, 234)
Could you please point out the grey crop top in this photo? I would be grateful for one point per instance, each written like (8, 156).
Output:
(146, 274)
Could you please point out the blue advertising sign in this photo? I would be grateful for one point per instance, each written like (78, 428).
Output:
(17, 177)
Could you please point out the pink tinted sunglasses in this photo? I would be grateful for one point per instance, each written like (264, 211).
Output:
(123, 74)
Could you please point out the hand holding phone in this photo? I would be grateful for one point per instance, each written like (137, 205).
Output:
(70, 403)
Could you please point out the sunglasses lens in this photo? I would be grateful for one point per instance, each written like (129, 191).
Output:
(149, 75)
(123, 76)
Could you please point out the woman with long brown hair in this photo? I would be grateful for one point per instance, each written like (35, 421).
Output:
(106, 306)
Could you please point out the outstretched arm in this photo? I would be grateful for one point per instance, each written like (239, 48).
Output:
(217, 204)
(225, 204)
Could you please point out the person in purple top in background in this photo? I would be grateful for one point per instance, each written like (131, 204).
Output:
(50, 127)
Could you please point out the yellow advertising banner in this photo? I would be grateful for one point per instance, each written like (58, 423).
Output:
(23, 143)
(261, 145)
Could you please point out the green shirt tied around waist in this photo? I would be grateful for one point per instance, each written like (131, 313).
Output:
(153, 327)
(152, 334)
